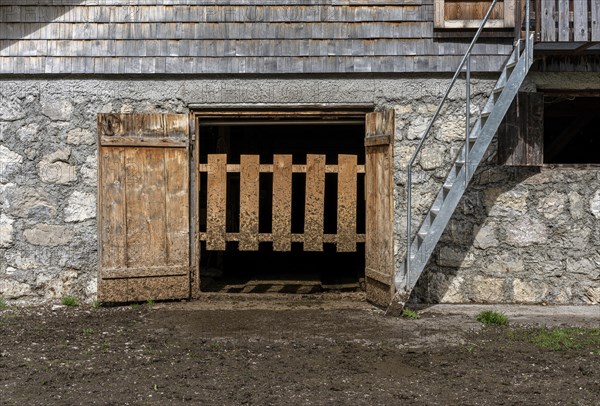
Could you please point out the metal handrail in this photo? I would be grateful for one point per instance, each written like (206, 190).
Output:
(466, 59)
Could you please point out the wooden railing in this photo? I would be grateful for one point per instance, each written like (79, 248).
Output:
(568, 20)
(313, 237)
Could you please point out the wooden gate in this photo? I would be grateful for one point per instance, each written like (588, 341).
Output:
(250, 168)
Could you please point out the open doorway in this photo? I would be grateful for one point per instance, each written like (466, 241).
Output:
(254, 240)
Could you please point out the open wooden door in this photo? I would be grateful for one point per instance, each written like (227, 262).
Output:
(143, 207)
(379, 248)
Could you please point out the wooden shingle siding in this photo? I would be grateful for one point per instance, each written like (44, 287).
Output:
(237, 36)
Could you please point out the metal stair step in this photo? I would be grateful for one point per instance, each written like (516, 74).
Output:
(497, 91)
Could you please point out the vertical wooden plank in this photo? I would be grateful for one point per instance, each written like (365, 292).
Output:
(145, 194)
(439, 14)
(548, 21)
(346, 220)
(112, 210)
(177, 206)
(249, 186)
(563, 21)
(509, 13)
(282, 202)
(216, 202)
(595, 20)
(580, 21)
(315, 203)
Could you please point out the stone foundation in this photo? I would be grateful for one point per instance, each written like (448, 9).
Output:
(520, 235)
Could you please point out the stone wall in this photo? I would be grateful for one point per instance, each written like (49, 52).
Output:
(519, 235)
(496, 248)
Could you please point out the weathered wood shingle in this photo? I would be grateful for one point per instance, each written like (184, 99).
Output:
(231, 36)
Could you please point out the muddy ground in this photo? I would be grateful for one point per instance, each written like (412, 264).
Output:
(293, 350)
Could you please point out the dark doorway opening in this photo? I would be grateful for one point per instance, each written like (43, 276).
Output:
(266, 270)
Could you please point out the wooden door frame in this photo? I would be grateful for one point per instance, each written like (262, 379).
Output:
(216, 112)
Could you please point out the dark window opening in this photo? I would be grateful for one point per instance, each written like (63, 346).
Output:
(571, 130)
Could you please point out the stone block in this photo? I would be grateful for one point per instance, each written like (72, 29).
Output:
(48, 235)
(6, 231)
(499, 202)
(593, 295)
(31, 203)
(81, 206)
(80, 136)
(552, 205)
(11, 289)
(28, 133)
(10, 163)
(595, 204)
(444, 288)
(89, 170)
(485, 237)
(453, 258)
(576, 205)
(525, 232)
(528, 291)
(54, 168)
(56, 109)
(433, 157)
(487, 290)
(583, 266)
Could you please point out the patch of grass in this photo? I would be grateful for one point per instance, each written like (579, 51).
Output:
(88, 331)
(215, 345)
(490, 317)
(565, 338)
(3, 304)
(96, 304)
(70, 301)
(150, 302)
(135, 306)
(410, 314)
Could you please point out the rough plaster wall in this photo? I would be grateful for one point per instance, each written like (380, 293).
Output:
(48, 170)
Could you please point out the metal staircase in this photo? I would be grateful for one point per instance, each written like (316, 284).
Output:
(477, 140)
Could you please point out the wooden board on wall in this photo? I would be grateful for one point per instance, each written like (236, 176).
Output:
(143, 208)
(521, 134)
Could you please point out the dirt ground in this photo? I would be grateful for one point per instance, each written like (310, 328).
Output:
(292, 350)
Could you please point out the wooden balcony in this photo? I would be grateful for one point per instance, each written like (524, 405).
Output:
(567, 26)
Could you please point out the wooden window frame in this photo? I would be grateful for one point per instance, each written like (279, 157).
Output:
(440, 22)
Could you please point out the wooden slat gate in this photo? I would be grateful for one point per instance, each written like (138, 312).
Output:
(313, 237)
(143, 207)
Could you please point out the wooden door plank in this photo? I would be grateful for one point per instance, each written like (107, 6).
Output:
(112, 209)
(595, 20)
(282, 202)
(580, 21)
(379, 245)
(346, 221)
(315, 202)
(216, 202)
(548, 21)
(249, 187)
(177, 206)
(146, 223)
(563, 21)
